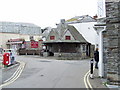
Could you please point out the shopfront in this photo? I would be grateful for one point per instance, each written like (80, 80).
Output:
(15, 44)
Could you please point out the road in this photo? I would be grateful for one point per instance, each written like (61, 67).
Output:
(49, 73)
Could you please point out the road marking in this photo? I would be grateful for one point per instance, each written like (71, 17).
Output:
(85, 79)
(12, 75)
(15, 76)
(87, 82)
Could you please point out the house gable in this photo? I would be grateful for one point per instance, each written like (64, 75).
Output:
(69, 34)
(77, 36)
(53, 36)
(66, 35)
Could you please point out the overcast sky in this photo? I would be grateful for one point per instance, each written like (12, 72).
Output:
(45, 12)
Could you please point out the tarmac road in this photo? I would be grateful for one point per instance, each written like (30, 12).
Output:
(48, 73)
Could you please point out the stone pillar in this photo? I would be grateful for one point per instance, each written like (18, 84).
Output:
(112, 41)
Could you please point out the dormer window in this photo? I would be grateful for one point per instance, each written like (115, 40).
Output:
(52, 37)
(67, 38)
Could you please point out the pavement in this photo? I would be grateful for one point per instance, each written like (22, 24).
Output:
(100, 83)
(97, 82)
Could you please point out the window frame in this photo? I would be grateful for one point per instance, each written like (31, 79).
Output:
(67, 37)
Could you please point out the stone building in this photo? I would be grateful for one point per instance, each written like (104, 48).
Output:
(112, 41)
(66, 41)
(109, 31)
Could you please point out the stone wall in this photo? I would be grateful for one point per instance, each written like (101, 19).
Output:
(112, 42)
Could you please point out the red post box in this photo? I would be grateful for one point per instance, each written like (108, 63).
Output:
(6, 58)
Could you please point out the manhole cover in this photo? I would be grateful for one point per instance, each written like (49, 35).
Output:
(41, 75)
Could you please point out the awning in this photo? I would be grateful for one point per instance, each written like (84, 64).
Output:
(20, 42)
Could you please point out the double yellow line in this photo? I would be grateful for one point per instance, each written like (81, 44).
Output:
(15, 76)
(87, 82)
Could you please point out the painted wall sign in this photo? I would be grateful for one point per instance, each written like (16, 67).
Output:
(34, 44)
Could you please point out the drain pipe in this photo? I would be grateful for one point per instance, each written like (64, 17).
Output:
(100, 29)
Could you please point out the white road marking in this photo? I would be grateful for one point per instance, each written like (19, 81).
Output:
(15, 76)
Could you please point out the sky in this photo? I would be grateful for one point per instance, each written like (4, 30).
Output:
(45, 13)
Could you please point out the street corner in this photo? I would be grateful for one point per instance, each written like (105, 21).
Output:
(96, 81)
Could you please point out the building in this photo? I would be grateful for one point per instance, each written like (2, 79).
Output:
(109, 31)
(101, 9)
(112, 39)
(80, 19)
(13, 34)
(84, 24)
(66, 41)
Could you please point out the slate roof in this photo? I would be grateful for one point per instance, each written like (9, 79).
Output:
(80, 19)
(77, 36)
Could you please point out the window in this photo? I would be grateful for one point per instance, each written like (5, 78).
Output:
(67, 38)
(84, 47)
(52, 37)
(31, 37)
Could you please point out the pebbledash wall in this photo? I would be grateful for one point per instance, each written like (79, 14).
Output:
(111, 42)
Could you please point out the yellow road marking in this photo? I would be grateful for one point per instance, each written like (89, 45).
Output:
(85, 79)
(88, 81)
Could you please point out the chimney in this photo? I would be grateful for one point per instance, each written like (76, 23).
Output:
(95, 17)
(62, 21)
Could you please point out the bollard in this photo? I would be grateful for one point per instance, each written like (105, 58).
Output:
(91, 68)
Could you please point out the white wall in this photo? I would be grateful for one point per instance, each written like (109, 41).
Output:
(101, 8)
(88, 32)
(5, 37)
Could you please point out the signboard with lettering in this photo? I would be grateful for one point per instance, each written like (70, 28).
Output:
(34, 44)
